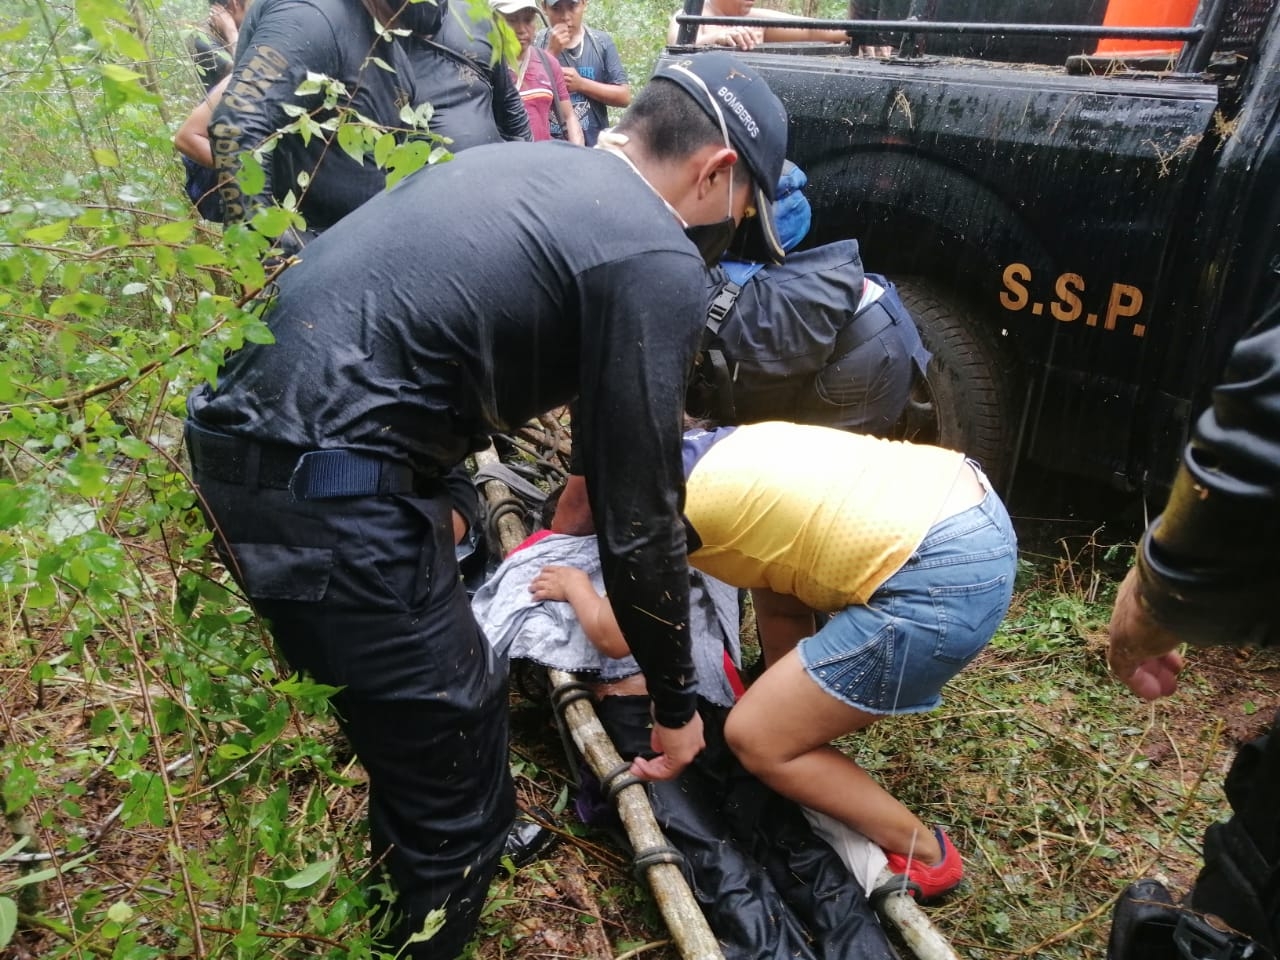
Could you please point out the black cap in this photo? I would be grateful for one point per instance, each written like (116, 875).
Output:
(756, 123)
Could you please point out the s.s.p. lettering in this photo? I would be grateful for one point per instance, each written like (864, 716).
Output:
(1068, 298)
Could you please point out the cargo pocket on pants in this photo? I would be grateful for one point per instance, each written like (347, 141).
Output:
(273, 571)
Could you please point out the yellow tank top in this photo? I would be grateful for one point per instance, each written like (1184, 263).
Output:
(815, 513)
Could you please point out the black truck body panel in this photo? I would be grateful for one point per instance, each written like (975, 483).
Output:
(1114, 231)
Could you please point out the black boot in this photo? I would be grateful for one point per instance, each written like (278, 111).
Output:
(1143, 924)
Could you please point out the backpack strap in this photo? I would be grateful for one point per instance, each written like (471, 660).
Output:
(551, 79)
(721, 306)
(461, 59)
(711, 389)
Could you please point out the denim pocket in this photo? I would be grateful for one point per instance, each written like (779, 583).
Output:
(273, 571)
(968, 616)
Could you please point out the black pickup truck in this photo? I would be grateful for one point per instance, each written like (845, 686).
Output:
(1081, 240)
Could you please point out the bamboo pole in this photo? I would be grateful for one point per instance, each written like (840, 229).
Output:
(918, 932)
(688, 926)
(675, 900)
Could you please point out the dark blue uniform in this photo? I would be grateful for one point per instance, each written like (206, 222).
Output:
(450, 307)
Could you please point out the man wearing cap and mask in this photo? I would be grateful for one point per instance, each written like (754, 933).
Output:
(281, 42)
(456, 305)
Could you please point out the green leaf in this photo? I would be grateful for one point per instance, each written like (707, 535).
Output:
(314, 84)
(382, 149)
(430, 926)
(179, 231)
(231, 751)
(272, 221)
(310, 875)
(133, 447)
(120, 912)
(16, 32)
(105, 157)
(50, 233)
(405, 159)
(8, 920)
(81, 304)
(351, 140)
(252, 177)
(15, 848)
(113, 71)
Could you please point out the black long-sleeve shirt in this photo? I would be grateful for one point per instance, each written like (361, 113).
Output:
(1208, 564)
(461, 303)
(473, 96)
(281, 41)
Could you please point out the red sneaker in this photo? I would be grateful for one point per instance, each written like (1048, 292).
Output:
(928, 883)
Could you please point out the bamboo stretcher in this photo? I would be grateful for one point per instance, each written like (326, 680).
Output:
(653, 852)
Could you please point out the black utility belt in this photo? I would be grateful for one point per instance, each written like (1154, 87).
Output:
(306, 474)
(868, 322)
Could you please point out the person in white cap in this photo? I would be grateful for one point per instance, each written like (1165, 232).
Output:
(538, 75)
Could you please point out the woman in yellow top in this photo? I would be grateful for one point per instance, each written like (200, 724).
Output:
(912, 555)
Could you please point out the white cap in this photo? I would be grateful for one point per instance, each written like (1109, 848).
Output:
(512, 6)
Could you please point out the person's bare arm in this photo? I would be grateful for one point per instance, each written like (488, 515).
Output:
(794, 34)
(610, 94)
(572, 128)
(573, 510)
(192, 138)
(593, 611)
(748, 38)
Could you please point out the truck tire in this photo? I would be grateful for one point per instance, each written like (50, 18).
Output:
(967, 404)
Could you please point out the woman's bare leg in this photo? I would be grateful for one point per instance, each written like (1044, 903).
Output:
(781, 730)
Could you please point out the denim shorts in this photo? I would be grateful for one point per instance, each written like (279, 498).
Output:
(926, 622)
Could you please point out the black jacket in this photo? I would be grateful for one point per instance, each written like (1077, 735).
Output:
(461, 303)
(1208, 564)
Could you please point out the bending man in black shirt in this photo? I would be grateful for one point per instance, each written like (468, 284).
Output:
(458, 304)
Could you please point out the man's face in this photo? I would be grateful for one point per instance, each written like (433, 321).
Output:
(524, 24)
(566, 12)
(735, 8)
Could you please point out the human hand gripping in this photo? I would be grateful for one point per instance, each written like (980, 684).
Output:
(556, 583)
(738, 38)
(675, 748)
(1141, 652)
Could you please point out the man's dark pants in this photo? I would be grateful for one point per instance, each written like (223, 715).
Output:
(363, 593)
